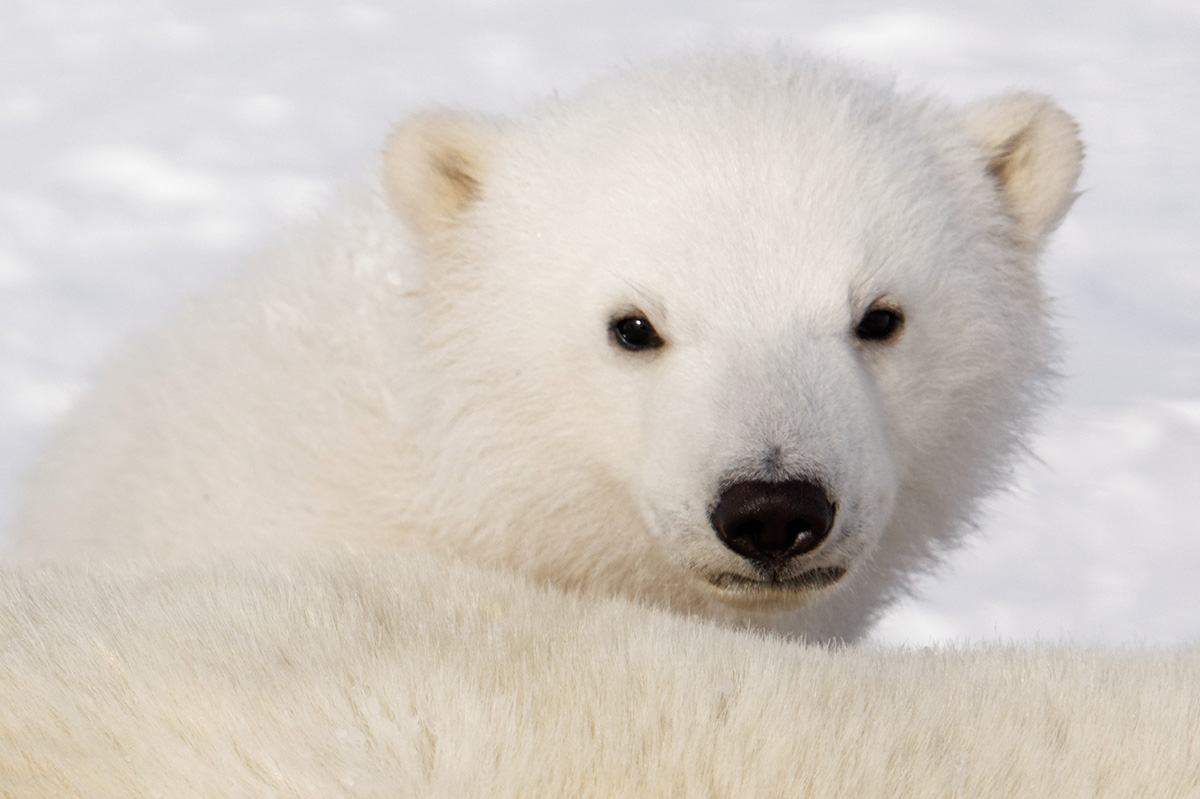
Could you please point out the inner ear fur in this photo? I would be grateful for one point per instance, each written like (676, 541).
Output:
(434, 165)
(1032, 149)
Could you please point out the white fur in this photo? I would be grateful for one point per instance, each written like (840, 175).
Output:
(397, 676)
(432, 363)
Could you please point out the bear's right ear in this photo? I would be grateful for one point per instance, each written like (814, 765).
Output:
(434, 165)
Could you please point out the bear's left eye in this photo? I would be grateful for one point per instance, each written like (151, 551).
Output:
(879, 324)
(634, 333)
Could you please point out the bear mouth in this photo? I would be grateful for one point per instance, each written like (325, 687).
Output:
(811, 580)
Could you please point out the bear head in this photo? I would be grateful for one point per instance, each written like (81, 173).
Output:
(735, 330)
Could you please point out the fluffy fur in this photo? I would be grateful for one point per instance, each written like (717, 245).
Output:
(387, 676)
(433, 364)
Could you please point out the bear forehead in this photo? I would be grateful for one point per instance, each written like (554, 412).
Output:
(760, 188)
(774, 161)
(776, 127)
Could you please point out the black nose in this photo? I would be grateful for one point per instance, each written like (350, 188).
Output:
(770, 522)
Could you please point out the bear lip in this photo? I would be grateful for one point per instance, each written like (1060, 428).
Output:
(811, 580)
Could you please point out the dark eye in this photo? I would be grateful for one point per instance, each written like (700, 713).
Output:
(634, 332)
(879, 324)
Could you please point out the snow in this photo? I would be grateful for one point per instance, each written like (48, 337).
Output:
(148, 147)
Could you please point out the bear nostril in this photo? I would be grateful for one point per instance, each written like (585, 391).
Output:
(771, 522)
(795, 527)
(749, 529)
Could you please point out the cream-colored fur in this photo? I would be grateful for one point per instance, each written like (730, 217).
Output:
(434, 364)
(1033, 149)
(379, 675)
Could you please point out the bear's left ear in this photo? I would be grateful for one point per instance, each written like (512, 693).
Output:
(1032, 149)
(434, 165)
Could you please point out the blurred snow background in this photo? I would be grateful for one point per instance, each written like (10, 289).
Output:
(146, 146)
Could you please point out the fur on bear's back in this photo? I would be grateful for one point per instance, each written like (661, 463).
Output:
(400, 675)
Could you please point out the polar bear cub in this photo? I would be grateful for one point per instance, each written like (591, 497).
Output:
(743, 336)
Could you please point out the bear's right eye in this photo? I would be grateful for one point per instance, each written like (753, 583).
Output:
(879, 324)
(635, 333)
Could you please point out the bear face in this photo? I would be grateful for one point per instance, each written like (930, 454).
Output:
(787, 316)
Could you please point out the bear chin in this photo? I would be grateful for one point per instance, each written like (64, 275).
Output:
(773, 594)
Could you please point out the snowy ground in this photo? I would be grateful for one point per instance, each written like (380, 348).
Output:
(146, 146)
